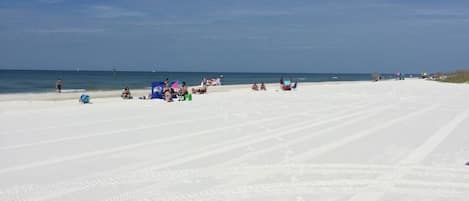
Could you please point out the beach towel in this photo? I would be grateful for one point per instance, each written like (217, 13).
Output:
(84, 98)
(286, 87)
(157, 90)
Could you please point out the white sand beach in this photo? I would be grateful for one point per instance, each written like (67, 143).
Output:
(342, 141)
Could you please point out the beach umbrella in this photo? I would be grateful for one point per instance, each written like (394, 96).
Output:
(175, 84)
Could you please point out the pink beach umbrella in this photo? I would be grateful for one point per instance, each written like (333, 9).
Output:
(175, 85)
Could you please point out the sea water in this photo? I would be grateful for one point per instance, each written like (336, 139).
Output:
(37, 81)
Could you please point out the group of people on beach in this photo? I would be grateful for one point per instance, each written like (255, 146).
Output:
(202, 89)
(256, 88)
(285, 84)
(169, 93)
(211, 81)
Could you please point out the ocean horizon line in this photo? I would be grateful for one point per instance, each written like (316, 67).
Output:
(211, 72)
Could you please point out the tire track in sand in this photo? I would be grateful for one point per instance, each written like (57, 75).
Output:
(323, 149)
(296, 128)
(190, 156)
(389, 180)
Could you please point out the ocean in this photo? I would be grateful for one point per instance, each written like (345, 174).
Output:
(38, 81)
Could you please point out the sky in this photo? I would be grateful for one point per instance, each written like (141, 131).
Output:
(236, 36)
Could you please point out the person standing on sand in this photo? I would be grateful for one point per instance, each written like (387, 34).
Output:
(58, 85)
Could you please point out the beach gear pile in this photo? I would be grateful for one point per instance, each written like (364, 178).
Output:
(287, 85)
(157, 91)
(84, 99)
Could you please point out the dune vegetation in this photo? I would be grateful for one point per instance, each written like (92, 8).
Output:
(456, 77)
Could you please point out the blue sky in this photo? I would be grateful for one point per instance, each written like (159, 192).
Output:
(242, 35)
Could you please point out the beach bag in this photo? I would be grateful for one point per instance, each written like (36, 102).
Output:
(188, 97)
(84, 99)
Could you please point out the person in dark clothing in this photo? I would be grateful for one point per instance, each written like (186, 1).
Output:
(58, 85)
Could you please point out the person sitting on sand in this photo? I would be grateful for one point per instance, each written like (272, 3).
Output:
(183, 91)
(255, 87)
(282, 83)
(168, 95)
(199, 90)
(126, 93)
(263, 88)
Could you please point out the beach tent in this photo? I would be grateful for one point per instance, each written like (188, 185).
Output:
(157, 90)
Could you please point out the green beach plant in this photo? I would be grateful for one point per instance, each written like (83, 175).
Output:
(456, 77)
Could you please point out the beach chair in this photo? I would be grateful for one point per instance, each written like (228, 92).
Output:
(293, 86)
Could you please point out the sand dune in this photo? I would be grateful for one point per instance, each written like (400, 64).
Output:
(350, 141)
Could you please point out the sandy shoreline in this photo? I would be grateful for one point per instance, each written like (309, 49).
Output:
(53, 96)
(354, 141)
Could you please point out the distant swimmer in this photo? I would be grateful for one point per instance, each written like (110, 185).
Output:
(58, 85)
